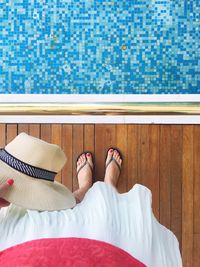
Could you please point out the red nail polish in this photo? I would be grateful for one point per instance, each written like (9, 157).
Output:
(88, 154)
(111, 150)
(10, 182)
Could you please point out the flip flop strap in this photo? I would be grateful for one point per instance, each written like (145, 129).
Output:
(86, 162)
(113, 159)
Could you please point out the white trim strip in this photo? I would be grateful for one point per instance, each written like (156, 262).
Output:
(103, 119)
(54, 98)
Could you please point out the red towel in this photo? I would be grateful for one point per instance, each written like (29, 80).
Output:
(70, 252)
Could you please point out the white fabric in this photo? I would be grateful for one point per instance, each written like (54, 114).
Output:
(124, 220)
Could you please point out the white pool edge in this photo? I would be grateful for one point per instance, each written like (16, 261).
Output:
(193, 119)
(54, 98)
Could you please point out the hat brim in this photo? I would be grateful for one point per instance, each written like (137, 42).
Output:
(35, 194)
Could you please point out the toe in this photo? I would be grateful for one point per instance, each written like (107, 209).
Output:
(89, 158)
(81, 160)
(117, 157)
(115, 153)
(111, 151)
(109, 155)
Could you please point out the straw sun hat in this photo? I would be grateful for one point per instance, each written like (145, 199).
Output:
(32, 164)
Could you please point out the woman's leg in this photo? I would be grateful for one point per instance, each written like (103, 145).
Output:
(113, 166)
(84, 169)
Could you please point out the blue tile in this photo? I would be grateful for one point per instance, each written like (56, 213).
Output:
(96, 46)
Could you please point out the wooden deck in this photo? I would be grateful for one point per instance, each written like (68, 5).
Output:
(165, 158)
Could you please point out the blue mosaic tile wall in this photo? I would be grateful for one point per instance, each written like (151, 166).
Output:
(100, 46)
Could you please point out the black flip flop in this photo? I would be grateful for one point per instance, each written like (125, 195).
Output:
(113, 159)
(86, 162)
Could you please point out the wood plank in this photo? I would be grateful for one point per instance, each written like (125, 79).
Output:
(67, 148)
(143, 153)
(34, 130)
(196, 253)
(88, 133)
(197, 179)
(187, 196)
(77, 144)
(88, 142)
(99, 152)
(148, 158)
(2, 135)
(11, 132)
(176, 179)
(46, 132)
(23, 128)
(165, 175)
(121, 144)
(56, 138)
(132, 156)
(152, 178)
(105, 137)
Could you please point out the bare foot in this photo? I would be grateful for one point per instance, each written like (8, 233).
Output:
(113, 166)
(84, 174)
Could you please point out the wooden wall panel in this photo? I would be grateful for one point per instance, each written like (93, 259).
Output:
(11, 132)
(121, 144)
(89, 138)
(67, 173)
(46, 132)
(196, 251)
(143, 153)
(132, 156)
(197, 180)
(105, 137)
(34, 130)
(56, 138)
(187, 196)
(148, 161)
(2, 135)
(89, 142)
(176, 179)
(165, 175)
(164, 158)
(78, 148)
(23, 128)
(99, 151)
(152, 178)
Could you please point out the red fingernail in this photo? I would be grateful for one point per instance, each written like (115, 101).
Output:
(111, 150)
(10, 182)
(88, 154)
